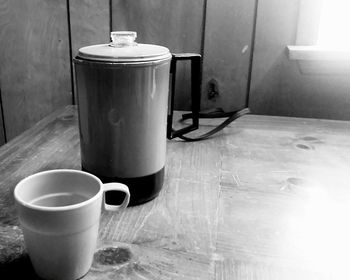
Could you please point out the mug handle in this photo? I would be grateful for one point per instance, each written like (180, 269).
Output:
(116, 187)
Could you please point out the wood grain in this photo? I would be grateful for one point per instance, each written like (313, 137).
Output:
(176, 25)
(267, 198)
(227, 50)
(34, 54)
(89, 25)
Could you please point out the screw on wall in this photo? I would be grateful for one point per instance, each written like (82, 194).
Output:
(212, 89)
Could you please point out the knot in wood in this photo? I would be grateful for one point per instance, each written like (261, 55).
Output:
(113, 256)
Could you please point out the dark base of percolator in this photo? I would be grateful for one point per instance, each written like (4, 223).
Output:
(142, 189)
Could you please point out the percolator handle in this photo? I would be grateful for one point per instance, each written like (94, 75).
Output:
(195, 93)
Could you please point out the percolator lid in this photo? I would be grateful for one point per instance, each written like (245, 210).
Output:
(123, 48)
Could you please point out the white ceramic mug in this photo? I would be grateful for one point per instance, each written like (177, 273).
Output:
(59, 212)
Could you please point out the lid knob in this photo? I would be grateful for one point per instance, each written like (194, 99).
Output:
(123, 39)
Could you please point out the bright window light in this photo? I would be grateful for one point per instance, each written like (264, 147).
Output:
(334, 31)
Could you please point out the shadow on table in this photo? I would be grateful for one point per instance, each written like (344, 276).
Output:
(19, 268)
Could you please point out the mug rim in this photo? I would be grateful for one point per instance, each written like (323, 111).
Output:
(57, 208)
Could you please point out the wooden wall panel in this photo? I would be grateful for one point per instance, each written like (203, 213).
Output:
(279, 86)
(89, 24)
(227, 50)
(177, 25)
(34, 55)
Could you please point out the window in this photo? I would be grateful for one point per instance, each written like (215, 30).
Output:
(323, 31)
(333, 31)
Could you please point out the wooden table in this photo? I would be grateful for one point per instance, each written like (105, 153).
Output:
(268, 198)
